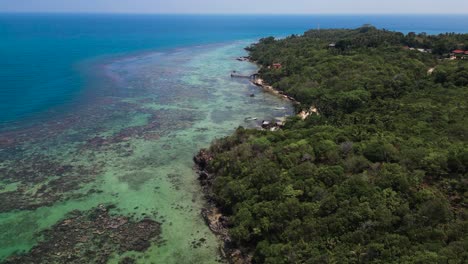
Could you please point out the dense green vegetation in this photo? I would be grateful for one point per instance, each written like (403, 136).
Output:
(380, 176)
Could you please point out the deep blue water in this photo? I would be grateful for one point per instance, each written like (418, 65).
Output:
(42, 55)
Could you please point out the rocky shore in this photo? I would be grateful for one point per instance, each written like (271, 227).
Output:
(212, 213)
(218, 223)
(261, 83)
(303, 114)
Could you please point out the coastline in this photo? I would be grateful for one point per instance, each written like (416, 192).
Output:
(283, 196)
(268, 88)
(303, 114)
(128, 149)
(133, 151)
(258, 81)
(212, 214)
(214, 219)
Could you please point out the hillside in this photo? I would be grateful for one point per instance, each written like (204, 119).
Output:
(378, 176)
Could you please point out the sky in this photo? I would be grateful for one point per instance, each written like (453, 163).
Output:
(240, 6)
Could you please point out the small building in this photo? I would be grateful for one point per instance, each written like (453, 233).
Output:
(277, 66)
(332, 45)
(266, 124)
(459, 54)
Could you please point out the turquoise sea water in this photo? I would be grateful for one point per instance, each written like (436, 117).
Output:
(40, 54)
(110, 109)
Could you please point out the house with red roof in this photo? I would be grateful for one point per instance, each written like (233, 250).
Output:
(458, 52)
(277, 66)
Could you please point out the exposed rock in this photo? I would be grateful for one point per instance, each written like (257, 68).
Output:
(306, 113)
(202, 159)
(214, 219)
(237, 257)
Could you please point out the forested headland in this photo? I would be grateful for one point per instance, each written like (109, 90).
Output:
(379, 175)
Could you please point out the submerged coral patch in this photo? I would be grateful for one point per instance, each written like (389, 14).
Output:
(129, 143)
(91, 237)
(136, 180)
(41, 181)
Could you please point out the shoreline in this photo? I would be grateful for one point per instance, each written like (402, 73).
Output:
(132, 143)
(212, 214)
(268, 88)
(259, 82)
(217, 222)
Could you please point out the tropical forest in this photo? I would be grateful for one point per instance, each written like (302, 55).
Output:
(375, 172)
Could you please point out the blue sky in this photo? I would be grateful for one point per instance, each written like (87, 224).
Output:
(239, 6)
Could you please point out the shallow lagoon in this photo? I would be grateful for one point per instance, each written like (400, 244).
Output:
(130, 144)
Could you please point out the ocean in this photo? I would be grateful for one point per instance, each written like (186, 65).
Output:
(102, 109)
(40, 53)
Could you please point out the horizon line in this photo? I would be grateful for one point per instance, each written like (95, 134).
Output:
(221, 14)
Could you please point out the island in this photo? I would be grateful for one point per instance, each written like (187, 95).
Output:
(375, 168)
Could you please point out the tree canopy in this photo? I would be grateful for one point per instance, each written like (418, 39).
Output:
(379, 176)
